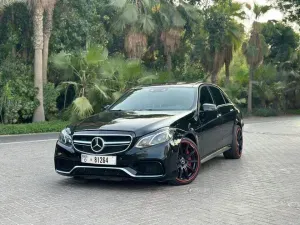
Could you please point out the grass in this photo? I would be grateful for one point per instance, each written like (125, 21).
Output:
(265, 112)
(294, 112)
(32, 128)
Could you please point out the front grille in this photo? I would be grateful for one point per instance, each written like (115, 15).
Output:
(112, 142)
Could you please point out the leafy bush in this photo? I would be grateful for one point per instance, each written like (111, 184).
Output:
(265, 112)
(18, 101)
(294, 111)
(50, 96)
(53, 126)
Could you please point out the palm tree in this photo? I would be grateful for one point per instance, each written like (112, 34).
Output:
(171, 21)
(37, 7)
(134, 17)
(47, 34)
(255, 49)
(86, 68)
(6, 3)
(218, 37)
(234, 34)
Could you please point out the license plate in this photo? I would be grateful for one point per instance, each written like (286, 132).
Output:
(99, 160)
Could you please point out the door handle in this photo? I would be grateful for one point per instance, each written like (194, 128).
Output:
(231, 110)
(219, 115)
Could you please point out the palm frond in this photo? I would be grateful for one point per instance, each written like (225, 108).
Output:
(118, 3)
(177, 20)
(6, 3)
(102, 90)
(147, 79)
(148, 25)
(130, 14)
(82, 107)
(116, 95)
(96, 54)
(61, 60)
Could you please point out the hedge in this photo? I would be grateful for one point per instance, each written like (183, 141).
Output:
(31, 128)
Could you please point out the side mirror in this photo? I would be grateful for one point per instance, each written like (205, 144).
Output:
(209, 107)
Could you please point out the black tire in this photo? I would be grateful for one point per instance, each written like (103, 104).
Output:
(237, 144)
(189, 163)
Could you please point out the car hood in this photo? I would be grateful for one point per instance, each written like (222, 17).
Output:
(139, 122)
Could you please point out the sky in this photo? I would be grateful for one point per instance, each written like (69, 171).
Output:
(273, 14)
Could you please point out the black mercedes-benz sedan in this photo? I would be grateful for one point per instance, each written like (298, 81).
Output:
(159, 133)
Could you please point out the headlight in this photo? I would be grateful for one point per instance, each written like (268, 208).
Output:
(154, 139)
(64, 137)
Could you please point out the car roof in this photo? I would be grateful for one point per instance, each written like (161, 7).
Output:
(197, 84)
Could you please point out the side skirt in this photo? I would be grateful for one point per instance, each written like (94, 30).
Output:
(216, 153)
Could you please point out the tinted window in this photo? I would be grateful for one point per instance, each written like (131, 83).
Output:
(205, 97)
(225, 98)
(217, 96)
(157, 99)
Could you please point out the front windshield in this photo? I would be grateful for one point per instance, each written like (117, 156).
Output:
(157, 99)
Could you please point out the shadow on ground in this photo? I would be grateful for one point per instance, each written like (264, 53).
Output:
(129, 184)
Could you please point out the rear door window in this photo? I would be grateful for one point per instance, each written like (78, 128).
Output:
(205, 97)
(217, 95)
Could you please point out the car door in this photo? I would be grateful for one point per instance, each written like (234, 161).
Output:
(209, 123)
(226, 114)
(229, 114)
(220, 102)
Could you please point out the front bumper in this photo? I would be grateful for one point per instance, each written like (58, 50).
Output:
(154, 163)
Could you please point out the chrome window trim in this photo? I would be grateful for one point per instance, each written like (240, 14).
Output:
(99, 135)
(112, 168)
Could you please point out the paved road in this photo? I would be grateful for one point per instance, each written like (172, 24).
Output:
(263, 188)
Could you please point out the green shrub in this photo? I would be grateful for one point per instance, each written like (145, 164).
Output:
(265, 112)
(17, 92)
(50, 96)
(30, 128)
(294, 111)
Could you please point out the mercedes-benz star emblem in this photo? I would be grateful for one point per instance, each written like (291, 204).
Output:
(97, 144)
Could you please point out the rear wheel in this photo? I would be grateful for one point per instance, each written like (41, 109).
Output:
(188, 162)
(237, 144)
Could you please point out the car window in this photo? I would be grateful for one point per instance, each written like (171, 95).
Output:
(219, 100)
(225, 98)
(157, 99)
(205, 97)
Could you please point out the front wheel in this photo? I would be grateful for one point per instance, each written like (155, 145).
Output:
(188, 162)
(237, 144)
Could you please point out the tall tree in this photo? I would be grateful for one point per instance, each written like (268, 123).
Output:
(256, 49)
(283, 42)
(37, 7)
(291, 9)
(4, 4)
(218, 37)
(171, 24)
(49, 8)
(134, 17)
(234, 33)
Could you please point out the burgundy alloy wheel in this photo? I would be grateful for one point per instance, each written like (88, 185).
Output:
(188, 163)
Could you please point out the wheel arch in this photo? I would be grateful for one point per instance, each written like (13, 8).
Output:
(193, 138)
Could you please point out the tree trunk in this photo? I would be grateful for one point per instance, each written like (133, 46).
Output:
(169, 62)
(39, 114)
(214, 78)
(250, 90)
(47, 35)
(13, 48)
(227, 80)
